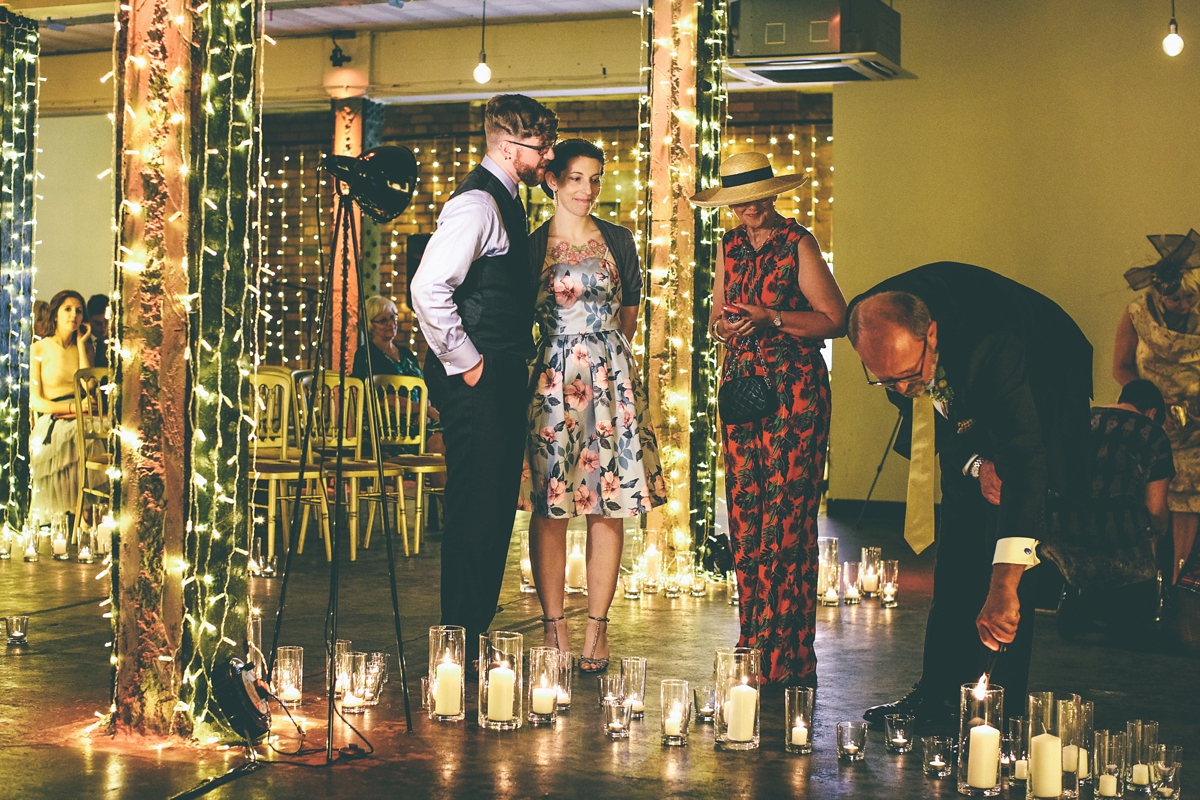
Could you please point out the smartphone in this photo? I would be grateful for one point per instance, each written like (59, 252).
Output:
(732, 314)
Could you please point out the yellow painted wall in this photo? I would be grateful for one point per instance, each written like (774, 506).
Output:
(1042, 140)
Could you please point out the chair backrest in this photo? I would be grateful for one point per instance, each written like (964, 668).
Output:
(272, 400)
(95, 400)
(404, 409)
(337, 401)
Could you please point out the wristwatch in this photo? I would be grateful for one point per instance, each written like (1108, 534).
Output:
(778, 321)
(975, 467)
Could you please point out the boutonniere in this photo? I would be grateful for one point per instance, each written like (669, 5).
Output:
(941, 392)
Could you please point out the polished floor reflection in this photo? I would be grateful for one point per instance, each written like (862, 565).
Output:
(50, 691)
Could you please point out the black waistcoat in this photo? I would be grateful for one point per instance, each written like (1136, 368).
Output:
(496, 300)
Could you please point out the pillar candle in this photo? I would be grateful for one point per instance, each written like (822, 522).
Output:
(799, 733)
(1141, 774)
(1108, 785)
(673, 724)
(870, 581)
(983, 758)
(1084, 772)
(1020, 769)
(1045, 757)
(576, 569)
(526, 570)
(447, 689)
(501, 683)
(831, 594)
(543, 700)
(1070, 758)
(60, 545)
(653, 565)
(563, 697)
(739, 713)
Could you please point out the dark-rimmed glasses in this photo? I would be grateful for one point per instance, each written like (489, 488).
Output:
(386, 318)
(541, 150)
(890, 383)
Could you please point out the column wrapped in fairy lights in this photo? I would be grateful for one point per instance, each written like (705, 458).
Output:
(187, 143)
(685, 49)
(18, 134)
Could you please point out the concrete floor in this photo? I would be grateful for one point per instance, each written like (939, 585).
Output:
(50, 692)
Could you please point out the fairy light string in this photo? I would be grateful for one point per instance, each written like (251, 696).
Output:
(18, 137)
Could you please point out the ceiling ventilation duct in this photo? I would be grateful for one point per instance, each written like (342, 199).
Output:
(793, 42)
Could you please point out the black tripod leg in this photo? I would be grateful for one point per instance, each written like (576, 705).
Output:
(376, 423)
(878, 470)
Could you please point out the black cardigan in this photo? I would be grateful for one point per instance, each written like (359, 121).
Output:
(620, 244)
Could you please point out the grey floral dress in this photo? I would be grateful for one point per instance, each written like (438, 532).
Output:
(591, 449)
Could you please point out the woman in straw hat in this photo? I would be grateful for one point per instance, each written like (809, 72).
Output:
(1158, 338)
(774, 302)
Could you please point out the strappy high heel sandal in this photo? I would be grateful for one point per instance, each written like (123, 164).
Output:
(591, 664)
(554, 622)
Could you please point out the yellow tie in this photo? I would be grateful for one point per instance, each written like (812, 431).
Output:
(918, 517)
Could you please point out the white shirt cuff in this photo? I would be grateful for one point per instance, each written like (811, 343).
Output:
(966, 470)
(1017, 550)
(460, 359)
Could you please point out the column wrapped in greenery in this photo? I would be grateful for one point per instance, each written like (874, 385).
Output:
(18, 137)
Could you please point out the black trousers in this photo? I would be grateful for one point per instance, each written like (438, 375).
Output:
(954, 655)
(484, 432)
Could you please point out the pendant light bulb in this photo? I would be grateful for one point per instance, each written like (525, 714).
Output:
(1173, 42)
(483, 73)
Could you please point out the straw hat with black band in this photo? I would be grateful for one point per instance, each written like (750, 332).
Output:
(746, 177)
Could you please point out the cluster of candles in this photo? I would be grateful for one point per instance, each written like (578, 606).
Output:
(31, 541)
(848, 583)
(358, 677)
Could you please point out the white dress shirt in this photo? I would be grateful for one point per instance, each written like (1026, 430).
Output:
(468, 228)
(1010, 549)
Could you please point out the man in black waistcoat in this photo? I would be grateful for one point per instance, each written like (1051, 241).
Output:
(1009, 376)
(474, 295)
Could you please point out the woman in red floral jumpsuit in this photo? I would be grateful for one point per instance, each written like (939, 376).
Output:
(774, 303)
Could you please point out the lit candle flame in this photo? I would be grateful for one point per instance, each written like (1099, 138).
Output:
(981, 688)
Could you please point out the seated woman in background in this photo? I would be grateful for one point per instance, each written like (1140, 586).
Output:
(54, 460)
(388, 358)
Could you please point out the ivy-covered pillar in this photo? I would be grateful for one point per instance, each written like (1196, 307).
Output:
(186, 163)
(19, 48)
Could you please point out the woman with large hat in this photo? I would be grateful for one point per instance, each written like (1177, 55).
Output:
(774, 303)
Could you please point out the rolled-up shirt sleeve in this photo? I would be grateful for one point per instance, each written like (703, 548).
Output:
(468, 227)
(1017, 550)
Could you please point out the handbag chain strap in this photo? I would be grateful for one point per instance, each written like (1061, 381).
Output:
(761, 362)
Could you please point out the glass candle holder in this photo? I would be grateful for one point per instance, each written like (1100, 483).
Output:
(6, 542)
(851, 741)
(1087, 740)
(676, 706)
(340, 648)
(608, 688)
(105, 532)
(651, 561)
(633, 685)
(543, 685)
(353, 666)
(699, 587)
(632, 582)
(938, 755)
(1166, 771)
(527, 584)
(898, 733)
(447, 660)
(1141, 746)
(501, 687)
(566, 669)
(29, 547)
(738, 674)
(1108, 758)
(377, 676)
(871, 571)
(1053, 728)
(731, 582)
(827, 591)
(16, 629)
(288, 677)
(576, 575)
(705, 703)
(797, 719)
(1016, 752)
(851, 586)
(87, 546)
(616, 719)
(981, 720)
(827, 556)
(254, 565)
(891, 584)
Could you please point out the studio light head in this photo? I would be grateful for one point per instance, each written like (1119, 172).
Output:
(382, 180)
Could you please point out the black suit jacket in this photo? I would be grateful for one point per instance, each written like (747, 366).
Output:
(1021, 374)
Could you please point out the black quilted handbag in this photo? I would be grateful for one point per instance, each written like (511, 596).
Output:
(750, 398)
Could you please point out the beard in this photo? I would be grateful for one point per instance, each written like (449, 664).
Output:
(531, 175)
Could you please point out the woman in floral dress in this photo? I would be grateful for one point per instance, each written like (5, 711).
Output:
(774, 302)
(591, 450)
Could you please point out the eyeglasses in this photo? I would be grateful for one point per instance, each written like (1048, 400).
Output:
(891, 383)
(386, 318)
(541, 151)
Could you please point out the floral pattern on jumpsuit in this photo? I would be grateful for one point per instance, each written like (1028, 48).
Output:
(591, 449)
(774, 468)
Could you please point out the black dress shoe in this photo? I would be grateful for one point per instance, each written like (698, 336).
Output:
(917, 703)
